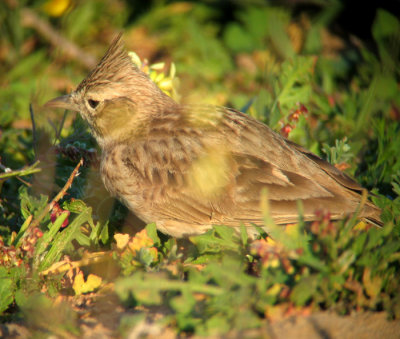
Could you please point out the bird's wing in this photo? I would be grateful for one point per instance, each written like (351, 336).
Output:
(215, 172)
(336, 174)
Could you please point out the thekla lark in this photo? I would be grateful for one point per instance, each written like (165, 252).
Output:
(188, 167)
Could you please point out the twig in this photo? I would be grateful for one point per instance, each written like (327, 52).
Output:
(60, 194)
(88, 259)
(25, 171)
(30, 19)
(24, 182)
(58, 133)
(52, 124)
(34, 136)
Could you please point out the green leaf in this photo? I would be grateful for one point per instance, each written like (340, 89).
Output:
(137, 286)
(304, 290)
(345, 260)
(183, 303)
(151, 230)
(146, 287)
(83, 239)
(278, 20)
(217, 325)
(6, 290)
(386, 86)
(74, 205)
(385, 24)
(292, 86)
(104, 235)
(48, 236)
(314, 262)
(64, 238)
(145, 257)
(359, 242)
(218, 239)
(26, 65)
(237, 39)
(243, 235)
(31, 205)
(225, 232)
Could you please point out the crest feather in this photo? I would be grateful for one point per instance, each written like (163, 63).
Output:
(113, 67)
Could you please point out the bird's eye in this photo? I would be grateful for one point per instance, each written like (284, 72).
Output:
(93, 103)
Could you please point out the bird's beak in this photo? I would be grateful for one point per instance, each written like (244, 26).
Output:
(64, 101)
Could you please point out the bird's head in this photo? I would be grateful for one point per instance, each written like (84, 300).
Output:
(116, 98)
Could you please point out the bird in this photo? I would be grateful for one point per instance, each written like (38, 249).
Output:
(189, 167)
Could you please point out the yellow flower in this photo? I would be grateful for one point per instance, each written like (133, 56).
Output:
(140, 240)
(56, 8)
(166, 82)
(121, 240)
(81, 286)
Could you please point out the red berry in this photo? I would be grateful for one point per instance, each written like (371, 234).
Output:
(285, 130)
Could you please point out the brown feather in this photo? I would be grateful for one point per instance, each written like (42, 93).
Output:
(190, 167)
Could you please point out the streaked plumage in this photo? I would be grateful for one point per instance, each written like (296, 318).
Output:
(189, 167)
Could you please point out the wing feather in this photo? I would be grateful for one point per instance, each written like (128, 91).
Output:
(253, 157)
